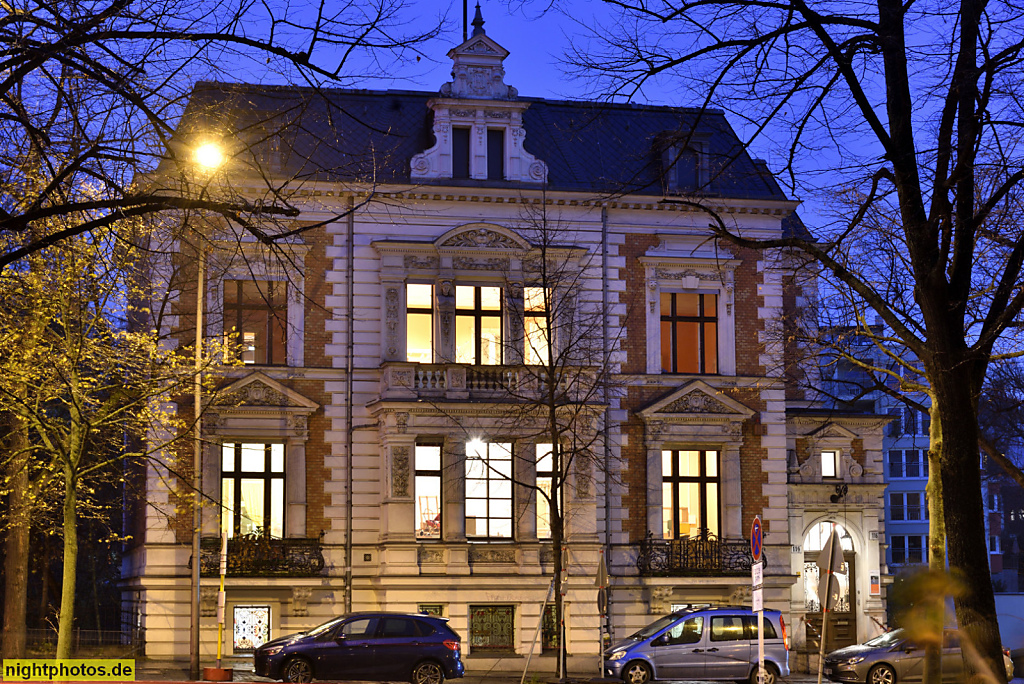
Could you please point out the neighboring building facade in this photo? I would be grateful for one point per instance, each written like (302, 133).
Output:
(410, 482)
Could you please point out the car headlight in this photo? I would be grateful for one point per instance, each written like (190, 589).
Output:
(854, 661)
(617, 655)
(273, 650)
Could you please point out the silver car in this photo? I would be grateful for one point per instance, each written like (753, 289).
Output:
(705, 644)
(893, 657)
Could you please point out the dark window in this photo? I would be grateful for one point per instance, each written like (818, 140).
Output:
(896, 423)
(913, 463)
(915, 549)
(460, 153)
(492, 628)
(914, 506)
(252, 488)
(727, 628)
(687, 170)
(769, 628)
(690, 483)
(257, 312)
(495, 154)
(549, 630)
(910, 421)
(895, 464)
(897, 512)
(689, 333)
(926, 422)
(898, 548)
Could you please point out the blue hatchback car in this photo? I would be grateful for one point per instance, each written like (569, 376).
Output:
(421, 649)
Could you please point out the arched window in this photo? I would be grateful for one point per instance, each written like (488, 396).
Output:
(819, 534)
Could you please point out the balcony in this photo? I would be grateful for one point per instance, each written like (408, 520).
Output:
(414, 381)
(703, 555)
(257, 555)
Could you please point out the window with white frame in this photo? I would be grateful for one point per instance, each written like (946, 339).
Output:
(478, 325)
(908, 548)
(690, 493)
(419, 322)
(906, 506)
(252, 488)
(684, 168)
(689, 332)
(830, 464)
(908, 463)
(427, 487)
(545, 480)
(488, 490)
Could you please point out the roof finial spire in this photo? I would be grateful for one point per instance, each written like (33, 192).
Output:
(478, 22)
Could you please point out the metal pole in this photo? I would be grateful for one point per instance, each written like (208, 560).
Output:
(349, 367)
(197, 475)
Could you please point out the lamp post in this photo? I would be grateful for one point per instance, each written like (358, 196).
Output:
(207, 156)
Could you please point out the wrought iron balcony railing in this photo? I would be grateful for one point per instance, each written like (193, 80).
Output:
(258, 555)
(699, 555)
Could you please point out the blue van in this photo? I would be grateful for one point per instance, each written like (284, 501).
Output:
(703, 644)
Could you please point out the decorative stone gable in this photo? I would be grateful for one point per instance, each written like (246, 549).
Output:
(259, 406)
(478, 100)
(696, 402)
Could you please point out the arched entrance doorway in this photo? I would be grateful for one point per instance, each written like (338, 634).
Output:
(842, 625)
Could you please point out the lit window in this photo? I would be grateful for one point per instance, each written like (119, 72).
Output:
(549, 629)
(478, 325)
(545, 477)
(252, 489)
(830, 464)
(689, 333)
(419, 323)
(488, 490)
(257, 312)
(690, 483)
(536, 324)
(428, 491)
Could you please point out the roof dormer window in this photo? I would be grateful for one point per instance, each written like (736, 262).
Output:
(685, 168)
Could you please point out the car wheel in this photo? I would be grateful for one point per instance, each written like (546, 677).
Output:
(882, 674)
(297, 670)
(637, 672)
(428, 673)
(770, 674)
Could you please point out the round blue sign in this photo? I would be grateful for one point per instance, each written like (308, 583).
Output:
(755, 538)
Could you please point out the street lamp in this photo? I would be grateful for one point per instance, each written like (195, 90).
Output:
(208, 156)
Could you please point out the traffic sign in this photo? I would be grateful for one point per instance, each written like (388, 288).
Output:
(755, 538)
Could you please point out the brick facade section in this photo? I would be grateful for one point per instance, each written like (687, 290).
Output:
(634, 341)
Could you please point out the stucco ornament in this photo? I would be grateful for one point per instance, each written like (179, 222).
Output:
(400, 471)
(696, 402)
(481, 237)
(254, 394)
(391, 320)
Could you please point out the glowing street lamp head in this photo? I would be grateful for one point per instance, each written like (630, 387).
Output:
(208, 155)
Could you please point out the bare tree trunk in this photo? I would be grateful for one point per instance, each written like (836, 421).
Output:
(66, 620)
(936, 551)
(16, 547)
(954, 400)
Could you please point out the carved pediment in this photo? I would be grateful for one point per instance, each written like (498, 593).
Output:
(832, 431)
(482, 236)
(694, 400)
(258, 390)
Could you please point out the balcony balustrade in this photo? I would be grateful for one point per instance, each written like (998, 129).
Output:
(412, 381)
(702, 555)
(258, 555)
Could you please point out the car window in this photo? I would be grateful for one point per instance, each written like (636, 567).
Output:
(727, 628)
(769, 628)
(423, 628)
(325, 627)
(359, 628)
(398, 627)
(655, 627)
(688, 631)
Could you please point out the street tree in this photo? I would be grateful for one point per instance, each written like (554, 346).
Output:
(896, 117)
(83, 390)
